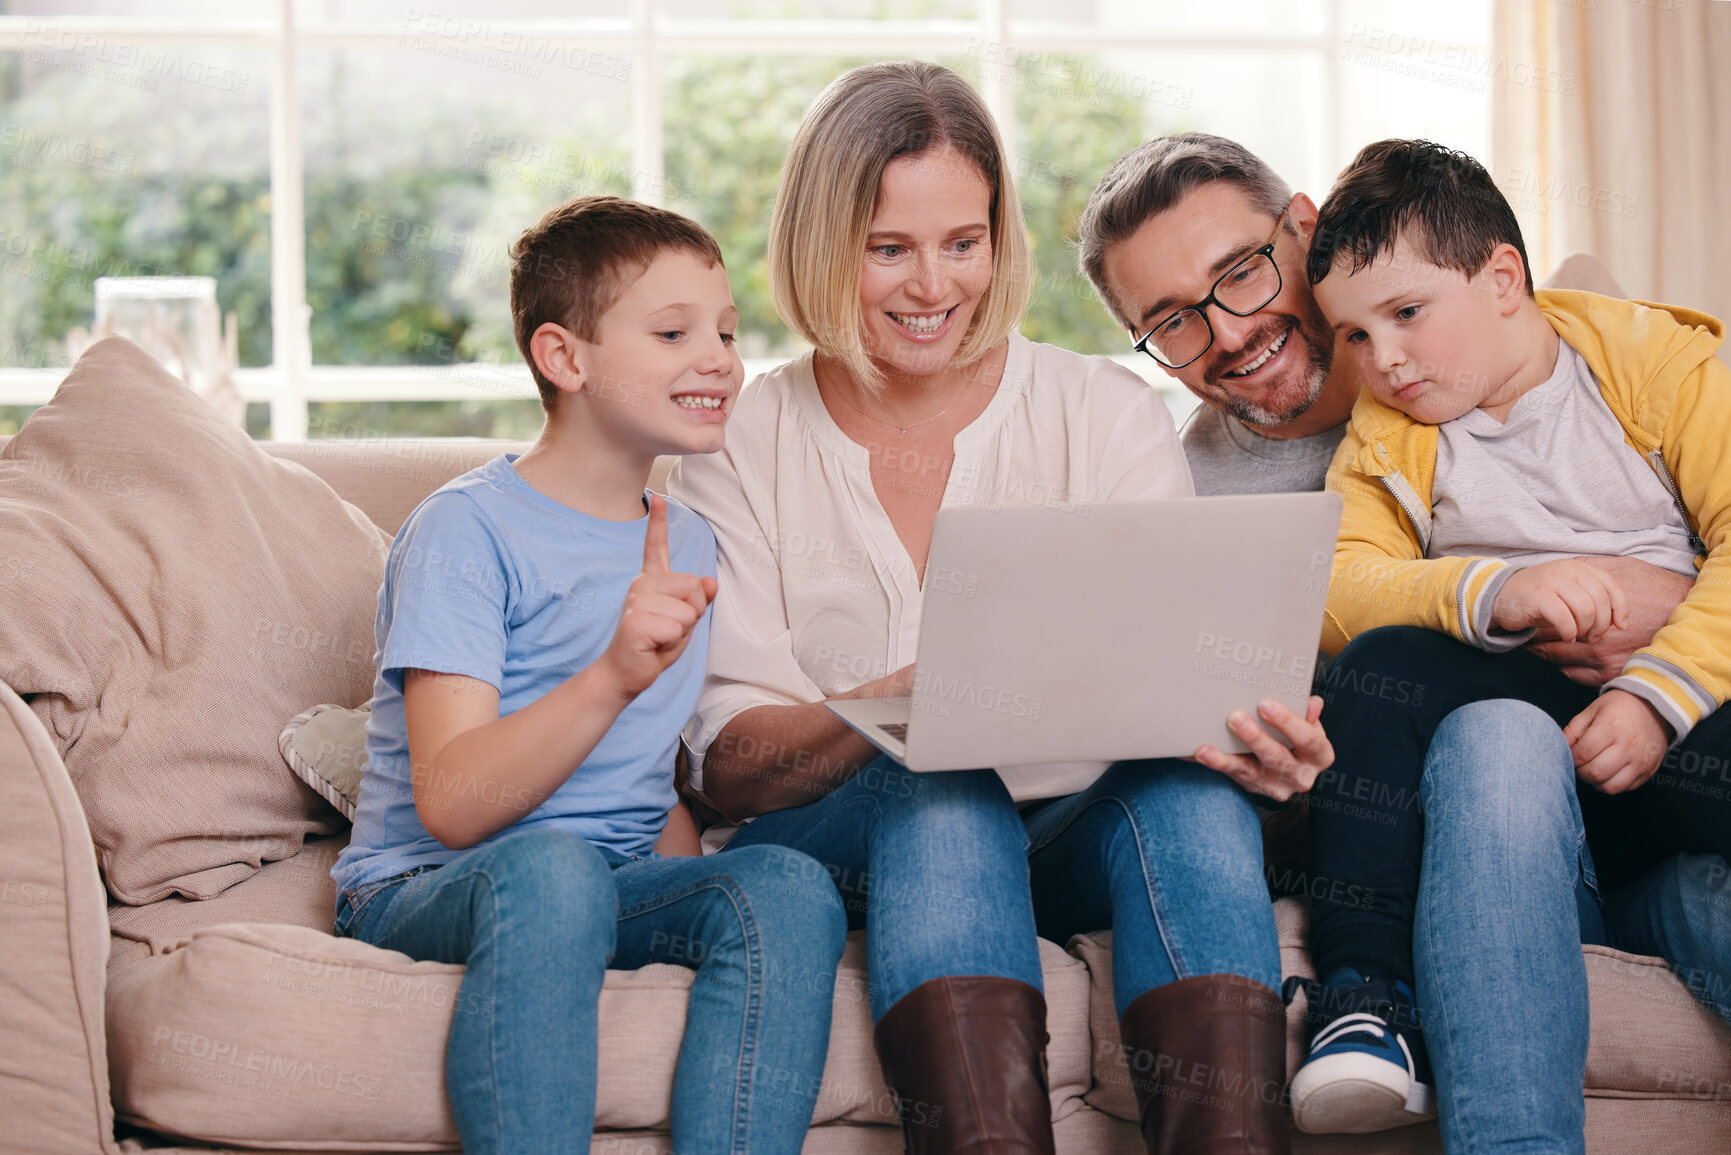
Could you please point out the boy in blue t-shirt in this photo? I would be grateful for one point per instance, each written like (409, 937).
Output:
(542, 634)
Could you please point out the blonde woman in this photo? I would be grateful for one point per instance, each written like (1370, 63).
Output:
(897, 249)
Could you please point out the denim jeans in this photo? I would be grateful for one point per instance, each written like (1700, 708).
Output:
(937, 867)
(536, 916)
(1508, 892)
(1168, 854)
(933, 865)
(1505, 900)
(1386, 695)
(1506, 853)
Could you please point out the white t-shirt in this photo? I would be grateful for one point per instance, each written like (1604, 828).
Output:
(1556, 480)
(817, 593)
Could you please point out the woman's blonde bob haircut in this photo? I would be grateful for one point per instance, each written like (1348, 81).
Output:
(828, 195)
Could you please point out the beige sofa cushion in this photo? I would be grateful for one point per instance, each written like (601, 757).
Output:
(255, 966)
(279, 1036)
(294, 891)
(1649, 1035)
(180, 595)
(388, 476)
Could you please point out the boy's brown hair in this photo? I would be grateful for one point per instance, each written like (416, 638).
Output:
(1444, 201)
(572, 265)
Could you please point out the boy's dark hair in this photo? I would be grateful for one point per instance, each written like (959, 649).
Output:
(572, 265)
(1444, 201)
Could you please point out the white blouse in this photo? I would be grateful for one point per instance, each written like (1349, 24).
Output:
(817, 593)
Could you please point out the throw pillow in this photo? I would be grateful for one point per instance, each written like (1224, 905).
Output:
(326, 747)
(169, 593)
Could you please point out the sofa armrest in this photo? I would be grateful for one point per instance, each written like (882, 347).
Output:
(53, 952)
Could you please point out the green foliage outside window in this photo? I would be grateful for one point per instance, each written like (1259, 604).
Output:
(99, 180)
(428, 286)
(723, 170)
(1068, 132)
(72, 227)
(13, 416)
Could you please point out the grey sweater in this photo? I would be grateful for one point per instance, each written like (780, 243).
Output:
(1227, 457)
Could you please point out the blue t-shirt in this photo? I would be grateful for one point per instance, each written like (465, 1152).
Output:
(495, 580)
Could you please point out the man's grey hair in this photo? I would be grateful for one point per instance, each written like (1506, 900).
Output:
(1154, 176)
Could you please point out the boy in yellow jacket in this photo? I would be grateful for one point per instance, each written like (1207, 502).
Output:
(1502, 442)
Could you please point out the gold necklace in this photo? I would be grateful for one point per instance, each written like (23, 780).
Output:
(911, 425)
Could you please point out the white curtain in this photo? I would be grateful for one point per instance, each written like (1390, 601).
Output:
(1613, 135)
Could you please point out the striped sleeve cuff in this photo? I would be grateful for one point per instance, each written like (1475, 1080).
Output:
(1476, 594)
(1665, 686)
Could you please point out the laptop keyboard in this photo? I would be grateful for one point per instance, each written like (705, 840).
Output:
(896, 730)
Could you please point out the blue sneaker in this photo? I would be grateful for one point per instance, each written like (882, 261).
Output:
(1367, 1069)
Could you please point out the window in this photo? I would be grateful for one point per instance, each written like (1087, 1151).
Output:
(352, 171)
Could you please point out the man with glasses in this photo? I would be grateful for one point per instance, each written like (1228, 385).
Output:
(1198, 249)
(1180, 239)
(1177, 241)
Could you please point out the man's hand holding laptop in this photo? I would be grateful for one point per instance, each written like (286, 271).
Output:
(1270, 768)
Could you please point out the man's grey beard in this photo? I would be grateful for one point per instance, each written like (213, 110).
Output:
(1321, 361)
(1253, 414)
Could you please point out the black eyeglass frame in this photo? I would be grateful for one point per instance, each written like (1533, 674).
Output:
(1140, 344)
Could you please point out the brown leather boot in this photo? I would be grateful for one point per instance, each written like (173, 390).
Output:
(966, 1057)
(1207, 1059)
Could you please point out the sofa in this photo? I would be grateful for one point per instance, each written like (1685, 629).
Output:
(171, 594)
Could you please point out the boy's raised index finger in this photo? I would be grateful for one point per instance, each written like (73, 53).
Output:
(655, 559)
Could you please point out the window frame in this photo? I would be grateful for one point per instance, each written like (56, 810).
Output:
(291, 382)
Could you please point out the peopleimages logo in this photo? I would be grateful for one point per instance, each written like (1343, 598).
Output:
(1242, 653)
(226, 1060)
(1262, 667)
(944, 692)
(135, 65)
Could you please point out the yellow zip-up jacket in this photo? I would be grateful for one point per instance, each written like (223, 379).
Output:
(1658, 373)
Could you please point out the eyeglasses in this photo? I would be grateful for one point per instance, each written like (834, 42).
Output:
(1181, 337)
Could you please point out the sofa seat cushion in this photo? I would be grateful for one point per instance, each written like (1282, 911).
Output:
(297, 891)
(285, 1037)
(1649, 1036)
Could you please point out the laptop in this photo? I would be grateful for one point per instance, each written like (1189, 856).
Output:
(1086, 635)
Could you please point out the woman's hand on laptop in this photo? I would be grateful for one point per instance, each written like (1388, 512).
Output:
(1271, 769)
(899, 684)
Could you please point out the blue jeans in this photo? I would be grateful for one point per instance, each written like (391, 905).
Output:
(1387, 694)
(1508, 891)
(1505, 900)
(1168, 854)
(536, 916)
(936, 867)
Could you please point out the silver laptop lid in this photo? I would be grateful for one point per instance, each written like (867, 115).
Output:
(1119, 631)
